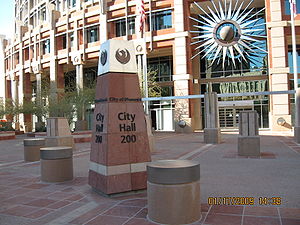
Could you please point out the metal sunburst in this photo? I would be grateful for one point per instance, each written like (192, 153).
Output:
(229, 31)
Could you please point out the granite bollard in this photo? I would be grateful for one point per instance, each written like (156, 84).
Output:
(119, 144)
(173, 191)
(32, 149)
(56, 164)
(248, 140)
(212, 134)
(58, 133)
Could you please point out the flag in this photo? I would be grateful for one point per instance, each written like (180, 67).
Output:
(293, 7)
(141, 14)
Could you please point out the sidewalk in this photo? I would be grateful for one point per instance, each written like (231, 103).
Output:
(27, 200)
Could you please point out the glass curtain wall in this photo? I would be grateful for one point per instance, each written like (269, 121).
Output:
(256, 65)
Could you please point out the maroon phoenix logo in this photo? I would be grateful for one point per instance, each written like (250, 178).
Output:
(123, 56)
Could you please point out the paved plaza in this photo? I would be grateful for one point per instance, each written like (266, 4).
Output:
(24, 199)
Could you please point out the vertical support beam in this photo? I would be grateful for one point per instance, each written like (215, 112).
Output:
(103, 22)
(279, 70)
(212, 128)
(79, 76)
(27, 90)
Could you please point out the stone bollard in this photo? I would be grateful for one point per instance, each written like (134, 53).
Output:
(56, 164)
(32, 149)
(212, 134)
(248, 140)
(58, 133)
(173, 190)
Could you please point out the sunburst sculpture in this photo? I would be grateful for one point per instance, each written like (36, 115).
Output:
(229, 31)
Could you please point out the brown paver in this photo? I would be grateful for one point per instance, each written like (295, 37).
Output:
(25, 198)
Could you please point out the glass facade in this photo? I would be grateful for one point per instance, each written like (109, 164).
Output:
(290, 57)
(92, 34)
(162, 66)
(46, 46)
(120, 26)
(288, 9)
(162, 20)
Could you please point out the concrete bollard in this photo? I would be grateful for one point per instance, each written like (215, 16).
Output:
(249, 140)
(173, 191)
(32, 149)
(212, 132)
(56, 164)
(58, 133)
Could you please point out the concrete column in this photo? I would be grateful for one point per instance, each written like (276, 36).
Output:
(2, 68)
(248, 140)
(212, 128)
(103, 23)
(8, 96)
(27, 90)
(79, 76)
(181, 85)
(279, 70)
(16, 100)
(297, 125)
(39, 88)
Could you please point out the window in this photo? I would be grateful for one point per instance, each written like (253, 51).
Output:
(120, 26)
(46, 46)
(43, 14)
(162, 20)
(288, 9)
(290, 57)
(162, 66)
(64, 41)
(92, 34)
(71, 35)
(71, 3)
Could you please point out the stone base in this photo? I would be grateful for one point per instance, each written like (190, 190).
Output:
(187, 129)
(81, 125)
(297, 134)
(174, 204)
(56, 170)
(118, 183)
(60, 141)
(212, 135)
(249, 146)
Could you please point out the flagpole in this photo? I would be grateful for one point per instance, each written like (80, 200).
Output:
(295, 68)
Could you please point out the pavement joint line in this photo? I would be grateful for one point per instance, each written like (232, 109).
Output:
(289, 146)
(165, 137)
(7, 164)
(23, 163)
(198, 150)
(242, 222)
(65, 219)
(100, 214)
(133, 216)
(280, 220)
(208, 211)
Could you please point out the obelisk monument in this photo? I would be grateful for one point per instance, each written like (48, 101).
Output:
(119, 145)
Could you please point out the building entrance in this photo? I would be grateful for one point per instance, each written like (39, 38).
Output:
(229, 112)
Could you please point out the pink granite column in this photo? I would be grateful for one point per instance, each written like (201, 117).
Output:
(120, 146)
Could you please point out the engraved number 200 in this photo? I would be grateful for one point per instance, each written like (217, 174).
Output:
(128, 139)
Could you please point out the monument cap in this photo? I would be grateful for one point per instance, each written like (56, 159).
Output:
(117, 56)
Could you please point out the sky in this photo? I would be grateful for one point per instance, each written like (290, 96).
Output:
(7, 17)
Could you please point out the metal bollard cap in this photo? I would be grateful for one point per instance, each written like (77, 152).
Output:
(173, 171)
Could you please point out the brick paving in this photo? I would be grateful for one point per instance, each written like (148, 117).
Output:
(24, 199)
